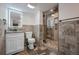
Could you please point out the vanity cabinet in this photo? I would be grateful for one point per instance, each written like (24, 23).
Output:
(14, 42)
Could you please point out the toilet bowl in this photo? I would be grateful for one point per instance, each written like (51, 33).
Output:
(31, 40)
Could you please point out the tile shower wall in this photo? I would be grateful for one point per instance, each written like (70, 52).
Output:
(69, 37)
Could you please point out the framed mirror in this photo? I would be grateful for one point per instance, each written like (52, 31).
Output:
(14, 19)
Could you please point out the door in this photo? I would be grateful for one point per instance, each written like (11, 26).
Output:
(20, 42)
(68, 36)
(11, 46)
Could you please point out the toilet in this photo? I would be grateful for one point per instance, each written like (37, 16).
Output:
(31, 40)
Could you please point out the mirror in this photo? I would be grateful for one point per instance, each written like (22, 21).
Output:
(15, 19)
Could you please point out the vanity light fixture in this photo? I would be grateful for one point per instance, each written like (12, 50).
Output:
(30, 6)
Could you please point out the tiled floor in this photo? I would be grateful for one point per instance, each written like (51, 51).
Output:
(49, 48)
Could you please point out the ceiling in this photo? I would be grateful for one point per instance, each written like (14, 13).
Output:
(45, 6)
(24, 8)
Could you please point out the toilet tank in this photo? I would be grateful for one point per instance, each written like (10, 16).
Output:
(28, 35)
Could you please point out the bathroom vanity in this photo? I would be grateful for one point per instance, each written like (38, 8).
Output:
(14, 42)
(14, 37)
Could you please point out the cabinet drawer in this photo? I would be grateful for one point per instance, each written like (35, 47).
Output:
(14, 35)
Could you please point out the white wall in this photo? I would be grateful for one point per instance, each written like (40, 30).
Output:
(38, 22)
(68, 10)
(28, 19)
(2, 11)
